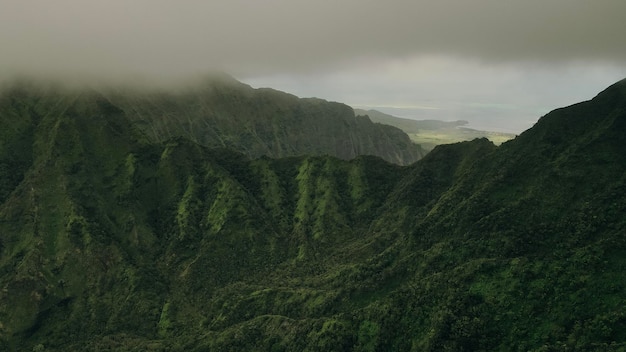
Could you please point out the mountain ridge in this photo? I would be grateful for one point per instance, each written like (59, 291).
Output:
(111, 241)
(262, 121)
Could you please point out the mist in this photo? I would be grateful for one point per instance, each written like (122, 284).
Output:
(366, 47)
(183, 38)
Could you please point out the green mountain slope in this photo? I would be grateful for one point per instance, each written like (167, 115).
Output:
(112, 242)
(222, 112)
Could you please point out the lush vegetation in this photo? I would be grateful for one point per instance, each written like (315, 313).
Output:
(110, 241)
(224, 113)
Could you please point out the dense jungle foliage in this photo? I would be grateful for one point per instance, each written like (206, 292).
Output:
(110, 240)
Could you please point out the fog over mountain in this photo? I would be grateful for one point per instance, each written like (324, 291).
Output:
(112, 242)
(437, 54)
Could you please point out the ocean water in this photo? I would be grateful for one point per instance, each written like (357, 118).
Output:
(484, 117)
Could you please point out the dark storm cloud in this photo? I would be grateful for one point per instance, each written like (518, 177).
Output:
(178, 38)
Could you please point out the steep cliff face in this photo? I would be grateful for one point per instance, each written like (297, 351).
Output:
(222, 112)
(105, 234)
(110, 241)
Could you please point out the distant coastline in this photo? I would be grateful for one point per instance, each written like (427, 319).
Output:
(495, 119)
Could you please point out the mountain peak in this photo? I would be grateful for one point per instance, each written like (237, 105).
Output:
(111, 243)
(615, 94)
(591, 119)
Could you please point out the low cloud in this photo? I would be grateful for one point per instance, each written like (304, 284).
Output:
(247, 38)
(449, 54)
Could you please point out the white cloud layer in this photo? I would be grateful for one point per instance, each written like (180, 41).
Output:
(281, 36)
(400, 51)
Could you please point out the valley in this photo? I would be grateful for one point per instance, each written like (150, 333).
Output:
(121, 228)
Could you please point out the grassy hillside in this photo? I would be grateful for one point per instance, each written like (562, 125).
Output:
(110, 241)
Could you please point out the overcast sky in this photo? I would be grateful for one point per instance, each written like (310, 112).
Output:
(499, 63)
